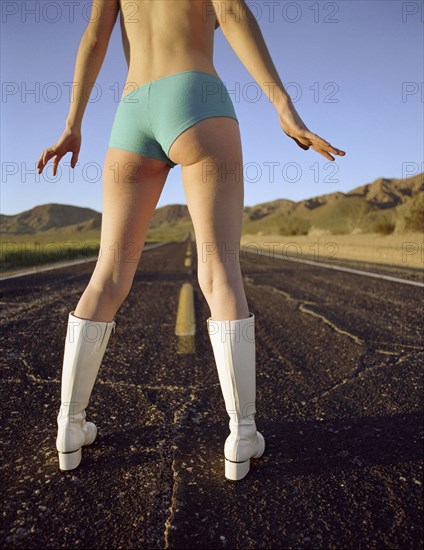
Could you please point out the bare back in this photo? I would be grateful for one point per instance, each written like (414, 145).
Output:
(162, 37)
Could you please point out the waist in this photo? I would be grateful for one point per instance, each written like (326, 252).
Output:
(181, 83)
(140, 73)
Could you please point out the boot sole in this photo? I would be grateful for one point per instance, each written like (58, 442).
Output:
(69, 461)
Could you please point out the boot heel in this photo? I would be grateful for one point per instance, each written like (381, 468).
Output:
(236, 470)
(261, 446)
(69, 461)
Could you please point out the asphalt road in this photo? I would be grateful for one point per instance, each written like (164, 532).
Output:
(339, 402)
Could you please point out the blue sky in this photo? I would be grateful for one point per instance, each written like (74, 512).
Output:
(353, 68)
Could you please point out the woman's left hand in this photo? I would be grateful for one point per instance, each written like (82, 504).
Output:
(294, 127)
(69, 141)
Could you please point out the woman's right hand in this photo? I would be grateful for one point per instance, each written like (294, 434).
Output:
(69, 142)
(294, 127)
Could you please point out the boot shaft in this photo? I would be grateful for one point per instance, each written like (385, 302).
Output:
(234, 348)
(85, 345)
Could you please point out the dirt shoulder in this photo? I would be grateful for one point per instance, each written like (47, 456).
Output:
(406, 250)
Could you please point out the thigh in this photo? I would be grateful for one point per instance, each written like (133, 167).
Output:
(132, 185)
(210, 154)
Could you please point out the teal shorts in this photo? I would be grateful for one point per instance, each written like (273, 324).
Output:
(151, 117)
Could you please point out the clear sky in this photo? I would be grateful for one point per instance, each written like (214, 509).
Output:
(353, 68)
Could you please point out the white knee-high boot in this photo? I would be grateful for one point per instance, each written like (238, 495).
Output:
(85, 345)
(234, 348)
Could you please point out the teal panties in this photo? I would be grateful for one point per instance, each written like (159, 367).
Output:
(151, 117)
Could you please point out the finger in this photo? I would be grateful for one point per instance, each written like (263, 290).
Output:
(74, 160)
(315, 138)
(40, 160)
(335, 150)
(323, 152)
(327, 155)
(49, 157)
(48, 154)
(56, 163)
(327, 146)
(41, 164)
(320, 141)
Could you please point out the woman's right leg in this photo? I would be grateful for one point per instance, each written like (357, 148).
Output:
(132, 185)
(212, 168)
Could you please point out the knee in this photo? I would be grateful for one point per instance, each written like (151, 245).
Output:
(113, 292)
(215, 283)
(205, 284)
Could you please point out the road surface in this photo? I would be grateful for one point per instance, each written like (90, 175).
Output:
(339, 402)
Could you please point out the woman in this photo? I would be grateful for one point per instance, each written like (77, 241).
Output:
(175, 110)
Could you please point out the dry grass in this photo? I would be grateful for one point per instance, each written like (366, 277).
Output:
(405, 249)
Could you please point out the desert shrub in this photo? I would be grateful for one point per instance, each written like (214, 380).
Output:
(379, 222)
(384, 227)
(340, 230)
(26, 255)
(295, 226)
(415, 220)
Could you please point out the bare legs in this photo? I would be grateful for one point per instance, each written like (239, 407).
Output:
(132, 185)
(212, 169)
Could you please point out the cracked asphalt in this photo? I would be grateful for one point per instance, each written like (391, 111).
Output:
(339, 402)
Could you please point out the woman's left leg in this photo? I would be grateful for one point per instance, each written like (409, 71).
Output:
(132, 185)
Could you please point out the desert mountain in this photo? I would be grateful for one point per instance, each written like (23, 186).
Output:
(171, 213)
(49, 216)
(364, 208)
(387, 193)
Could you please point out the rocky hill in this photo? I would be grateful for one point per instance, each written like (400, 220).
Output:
(385, 204)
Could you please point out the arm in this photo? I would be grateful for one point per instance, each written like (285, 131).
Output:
(244, 35)
(91, 53)
(90, 56)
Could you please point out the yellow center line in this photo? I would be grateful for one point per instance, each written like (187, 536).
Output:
(185, 326)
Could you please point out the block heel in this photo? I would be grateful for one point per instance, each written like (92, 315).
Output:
(236, 470)
(69, 461)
